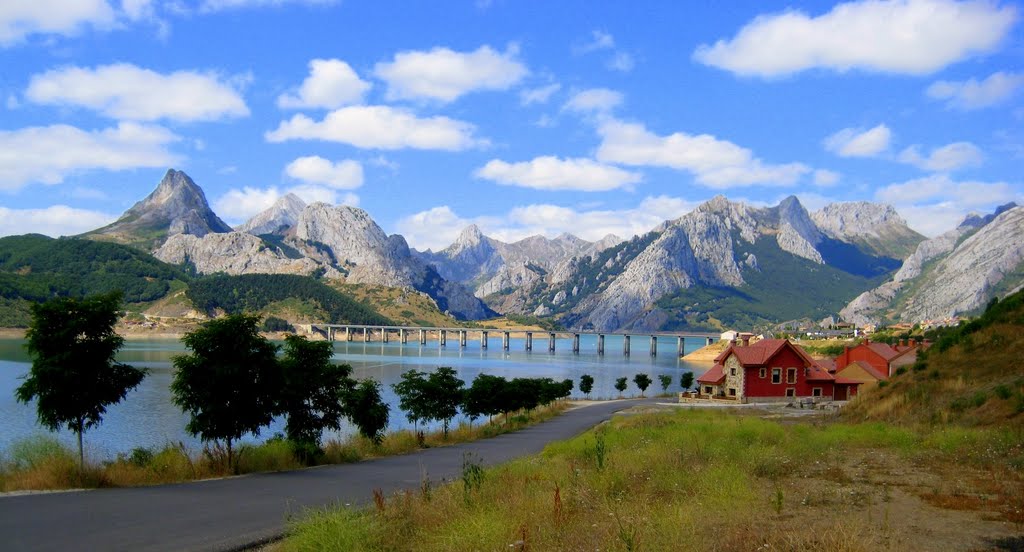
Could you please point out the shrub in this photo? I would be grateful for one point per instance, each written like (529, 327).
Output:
(1004, 392)
(901, 370)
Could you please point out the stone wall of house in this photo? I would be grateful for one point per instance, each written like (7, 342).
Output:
(733, 377)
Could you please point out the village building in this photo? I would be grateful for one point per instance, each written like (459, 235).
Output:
(884, 358)
(770, 370)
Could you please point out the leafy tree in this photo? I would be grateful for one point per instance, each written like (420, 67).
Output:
(74, 376)
(586, 384)
(643, 381)
(230, 383)
(311, 390)
(620, 385)
(686, 380)
(481, 399)
(666, 380)
(523, 393)
(551, 390)
(367, 410)
(412, 396)
(444, 396)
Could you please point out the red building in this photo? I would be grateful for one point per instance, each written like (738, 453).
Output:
(771, 369)
(883, 357)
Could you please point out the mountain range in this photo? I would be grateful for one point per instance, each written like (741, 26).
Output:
(725, 264)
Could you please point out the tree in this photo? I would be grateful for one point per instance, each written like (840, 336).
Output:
(74, 376)
(643, 381)
(444, 396)
(367, 410)
(412, 396)
(481, 399)
(230, 383)
(686, 380)
(666, 380)
(311, 391)
(620, 385)
(586, 384)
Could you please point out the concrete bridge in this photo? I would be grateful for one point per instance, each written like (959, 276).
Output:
(356, 332)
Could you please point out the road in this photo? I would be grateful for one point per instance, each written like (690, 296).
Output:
(236, 513)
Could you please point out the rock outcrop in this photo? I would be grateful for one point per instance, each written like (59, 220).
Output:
(876, 227)
(236, 253)
(278, 219)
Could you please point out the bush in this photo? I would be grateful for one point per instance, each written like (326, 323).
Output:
(275, 324)
(901, 370)
(1004, 392)
(140, 456)
(33, 452)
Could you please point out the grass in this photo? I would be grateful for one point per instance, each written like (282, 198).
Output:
(686, 480)
(43, 463)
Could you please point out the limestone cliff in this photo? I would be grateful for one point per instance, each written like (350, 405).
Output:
(236, 253)
(875, 227)
(278, 219)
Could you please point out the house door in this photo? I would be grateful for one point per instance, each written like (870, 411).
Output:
(842, 392)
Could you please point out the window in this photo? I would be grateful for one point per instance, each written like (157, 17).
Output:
(763, 373)
(776, 375)
(791, 392)
(790, 375)
(732, 392)
(707, 390)
(732, 371)
(816, 392)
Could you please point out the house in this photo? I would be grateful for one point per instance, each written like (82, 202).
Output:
(883, 357)
(770, 370)
(863, 372)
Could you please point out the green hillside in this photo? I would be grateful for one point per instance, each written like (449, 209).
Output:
(784, 287)
(35, 268)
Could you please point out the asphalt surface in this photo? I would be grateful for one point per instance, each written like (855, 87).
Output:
(236, 513)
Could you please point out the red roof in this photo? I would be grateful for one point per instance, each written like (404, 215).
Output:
(816, 372)
(755, 354)
(714, 376)
(883, 350)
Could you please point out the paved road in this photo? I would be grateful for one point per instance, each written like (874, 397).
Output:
(228, 514)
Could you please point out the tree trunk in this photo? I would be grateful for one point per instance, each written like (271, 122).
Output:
(231, 464)
(81, 452)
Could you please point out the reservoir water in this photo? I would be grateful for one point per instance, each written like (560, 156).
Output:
(148, 418)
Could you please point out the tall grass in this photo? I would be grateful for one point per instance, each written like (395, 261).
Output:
(688, 480)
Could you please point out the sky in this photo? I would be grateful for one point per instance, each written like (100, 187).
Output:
(523, 117)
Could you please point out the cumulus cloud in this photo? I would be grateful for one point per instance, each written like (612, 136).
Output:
(937, 203)
(444, 75)
(54, 221)
(622, 62)
(438, 227)
(824, 177)
(594, 100)
(125, 91)
(972, 94)
(553, 173)
(946, 158)
(331, 84)
(599, 40)
(22, 18)
(220, 5)
(914, 37)
(238, 205)
(341, 175)
(48, 154)
(858, 142)
(538, 95)
(380, 127)
(715, 163)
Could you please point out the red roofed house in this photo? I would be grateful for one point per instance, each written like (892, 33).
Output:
(881, 356)
(771, 369)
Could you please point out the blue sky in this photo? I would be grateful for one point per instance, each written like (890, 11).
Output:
(522, 117)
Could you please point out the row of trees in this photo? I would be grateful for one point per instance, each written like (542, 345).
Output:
(642, 382)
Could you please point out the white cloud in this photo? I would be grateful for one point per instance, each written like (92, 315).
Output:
(538, 95)
(946, 158)
(125, 91)
(857, 142)
(380, 127)
(599, 40)
(715, 163)
(48, 154)
(594, 100)
(937, 203)
(22, 18)
(900, 36)
(219, 5)
(438, 227)
(824, 177)
(552, 173)
(238, 205)
(445, 75)
(331, 84)
(54, 221)
(971, 94)
(137, 9)
(621, 62)
(341, 175)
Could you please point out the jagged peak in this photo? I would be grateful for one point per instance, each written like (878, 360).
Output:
(470, 235)
(977, 220)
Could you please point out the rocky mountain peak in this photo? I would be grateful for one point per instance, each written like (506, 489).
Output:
(876, 227)
(177, 206)
(469, 237)
(977, 220)
(278, 218)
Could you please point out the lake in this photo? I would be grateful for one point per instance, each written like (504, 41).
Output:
(148, 418)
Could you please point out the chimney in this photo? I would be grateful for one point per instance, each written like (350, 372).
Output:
(903, 343)
(746, 340)
(913, 343)
(867, 341)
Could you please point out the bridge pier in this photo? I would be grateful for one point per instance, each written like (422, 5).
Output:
(462, 338)
(551, 342)
(483, 340)
(680, 350)
(348, 333)
(654, 345)
(708, 341)
(384, 335)
(423, 337)
(504, 340)
(625, 345)
(442, 338)
(366, 335)
(600, 344)
(576, 343)
(330, 334)
(529, 341)
(402, 337)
